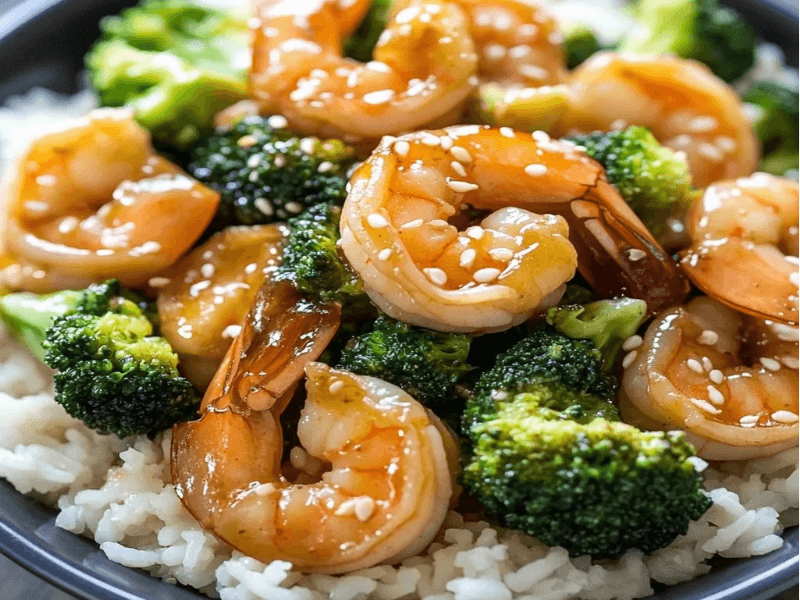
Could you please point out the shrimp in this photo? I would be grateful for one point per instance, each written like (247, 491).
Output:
(686, 106)
(519, 44)
(420, 268)
(729, 380)
(94, 201)
(386, 493)
(745, 249)
(203, 298)
(424, 67)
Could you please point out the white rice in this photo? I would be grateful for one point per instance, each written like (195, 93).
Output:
(118, 492)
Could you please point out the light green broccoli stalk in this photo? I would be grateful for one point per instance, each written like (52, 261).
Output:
(174, 62)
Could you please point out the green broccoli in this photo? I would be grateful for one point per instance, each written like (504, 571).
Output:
(608, 323)
(426, 364)
(113, 373)
(653, 180)
(266, 174)
(175, 62)
(311, 258)
(580, 42)
(700, 29)
(776, 125)
(550, 457)
(363, 40)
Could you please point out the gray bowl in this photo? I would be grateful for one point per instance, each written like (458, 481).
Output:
(42, 43)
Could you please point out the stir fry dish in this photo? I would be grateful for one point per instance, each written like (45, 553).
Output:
(369, 263)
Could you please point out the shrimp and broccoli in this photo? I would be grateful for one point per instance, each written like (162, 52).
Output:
(419, 255)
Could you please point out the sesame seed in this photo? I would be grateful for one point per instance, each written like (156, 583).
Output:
(792, 260)
(632, 343)
(507, 132)
(253, 161)
(708, 338)
(749, 420)
(379, 97)
(308, 145)
(412, 224)
(231, 331)
(501, 254)
(279, 161)
(293, 207)
(458, 168)
(325, 166)
(703, 405)
(540, 136)
(364, 508)
(715, 395)
(377, 221)
(716, 376)
(499, 395)
(707, 364)
(246, 141)
(345, 509)
(794, 278)
(158, 282)
(445, 142)
(429, 139)
(694, 365)
(790, 362)
(253, 177)
(634, 254)
(461, 187)
(461, 154)
(336, 386)
(265, 489)
(207, 270)
(401, 148)
(784, 416)
(770, 363)
(437, 276)
(486, 275)
(385, 254)
(277, 122)
(535, 170)
(467, 258)
(264, 206)
(475, 232)
(629, 358)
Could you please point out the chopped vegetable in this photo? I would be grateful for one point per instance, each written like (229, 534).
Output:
(776, 125)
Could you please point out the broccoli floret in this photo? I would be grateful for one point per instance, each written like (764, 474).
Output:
(363, 40)
(580, 42)
(550, 457)
(608, 323)
(426, 364)
(113, 373)
(176, 63)
(265, 174)
(311, 259)
(653, 180)
(776, 125)
(700, 29)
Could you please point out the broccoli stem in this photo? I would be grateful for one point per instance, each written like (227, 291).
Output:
(27, 317)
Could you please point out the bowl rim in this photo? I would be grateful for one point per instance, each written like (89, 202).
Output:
(31, 552)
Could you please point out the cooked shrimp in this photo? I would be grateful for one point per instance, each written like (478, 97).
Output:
(745, 250)
(420, 268)
(518, 42)
(94, 201)
(424, 66)
(729, 380)
(681, 101)
(203, 298)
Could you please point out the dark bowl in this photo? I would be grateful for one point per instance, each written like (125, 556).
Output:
(43, 43)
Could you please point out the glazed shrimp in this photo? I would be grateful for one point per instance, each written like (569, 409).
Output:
(424, 67)
(94, 201)
(203, 298)
(681, 101)
(745, 249)
(420, 268)
(729, 380)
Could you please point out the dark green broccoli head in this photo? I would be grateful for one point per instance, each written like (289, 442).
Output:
(565, 372)
(599, 488)
(174, 62)
(425, 363)
(700, 29)
(579, 44)
(113, 373)
(266, 174)
(311, 258)
(776, 125)
(362, 42)
(653, 180)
